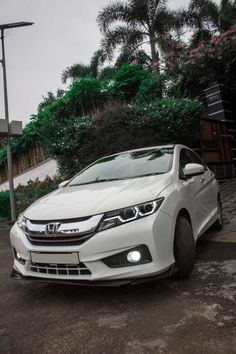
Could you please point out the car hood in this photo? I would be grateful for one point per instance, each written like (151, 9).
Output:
(96, 198)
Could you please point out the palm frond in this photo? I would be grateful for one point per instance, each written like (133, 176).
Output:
(168, 20)
(202, 10)
(117, 11)
(227, 15)
(75, 71)
(121, 36)
(97, 60)
(127, 55)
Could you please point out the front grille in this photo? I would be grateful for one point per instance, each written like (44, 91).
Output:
(60, 269)
(56, 233)
(57, 240)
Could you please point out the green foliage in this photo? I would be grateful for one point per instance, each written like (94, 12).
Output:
(85, 95)
(176, 120)
(208, 63)
(78, 70)
(93, 118)
(120, 127)
(26, 195)
(5, 211)
(152, 88)
(108, 73)
(128, 80)
(126, 25)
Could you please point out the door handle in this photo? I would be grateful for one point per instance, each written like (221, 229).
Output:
(202, 180)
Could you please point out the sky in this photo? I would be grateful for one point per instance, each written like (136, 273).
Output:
(64, 32)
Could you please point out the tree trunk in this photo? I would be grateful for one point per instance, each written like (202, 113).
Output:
(154, 54)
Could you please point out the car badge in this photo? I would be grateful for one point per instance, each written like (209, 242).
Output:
(52, 228)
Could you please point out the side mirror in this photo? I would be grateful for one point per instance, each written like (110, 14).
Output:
(62, 184)
(193, 169)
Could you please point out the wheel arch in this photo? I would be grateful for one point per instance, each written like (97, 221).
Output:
(184, 212)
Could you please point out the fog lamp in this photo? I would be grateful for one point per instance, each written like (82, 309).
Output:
(134, 256)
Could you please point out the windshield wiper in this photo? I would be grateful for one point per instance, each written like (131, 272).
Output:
(96, 181)
(106, 180)
(150, 174)
(115, 179)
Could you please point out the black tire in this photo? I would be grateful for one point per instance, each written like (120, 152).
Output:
(218, 225)
(184, 249)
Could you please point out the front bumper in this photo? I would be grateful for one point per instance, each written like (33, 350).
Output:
(155, 231)
(103, 283)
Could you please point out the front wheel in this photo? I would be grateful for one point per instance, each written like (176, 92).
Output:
(184, 249)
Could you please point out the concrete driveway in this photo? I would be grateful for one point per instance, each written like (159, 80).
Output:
(193, 316)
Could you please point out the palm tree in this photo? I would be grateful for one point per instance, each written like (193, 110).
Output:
(129, 25)
(206, 18)
(78, 70)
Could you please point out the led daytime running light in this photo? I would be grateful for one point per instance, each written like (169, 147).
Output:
(117, 217)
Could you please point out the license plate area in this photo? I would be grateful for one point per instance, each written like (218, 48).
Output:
(55, 258)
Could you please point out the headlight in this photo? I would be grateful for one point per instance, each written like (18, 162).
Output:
(121, 216)
(21, 221)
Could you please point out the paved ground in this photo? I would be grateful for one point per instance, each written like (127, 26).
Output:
(193, 316)
(228, 197)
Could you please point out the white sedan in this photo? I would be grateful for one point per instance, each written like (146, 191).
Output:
(127, 218)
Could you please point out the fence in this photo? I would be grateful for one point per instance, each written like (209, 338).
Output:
(25, 160)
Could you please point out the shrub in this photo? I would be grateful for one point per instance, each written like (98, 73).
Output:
(212, 61)
(26, 195)
(120, 127)
(128, 79)
(5, 211)
(152, 88)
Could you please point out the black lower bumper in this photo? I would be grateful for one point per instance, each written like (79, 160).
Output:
(113, 283)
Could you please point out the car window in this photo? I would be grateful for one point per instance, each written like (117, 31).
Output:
(133, 164)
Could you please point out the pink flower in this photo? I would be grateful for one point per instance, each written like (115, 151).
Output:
(232, 29)
(156, 64)
(134, 62)
(188, 62)
(170, 65)
(213, 41)
(179, 46)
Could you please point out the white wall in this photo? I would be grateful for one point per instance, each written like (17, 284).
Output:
(45, 168)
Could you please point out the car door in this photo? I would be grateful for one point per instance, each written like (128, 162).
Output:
(209, 183)
(193, 191)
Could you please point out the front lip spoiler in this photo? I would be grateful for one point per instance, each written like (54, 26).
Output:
(102, 283)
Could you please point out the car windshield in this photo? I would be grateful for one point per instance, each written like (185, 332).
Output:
(127, 165)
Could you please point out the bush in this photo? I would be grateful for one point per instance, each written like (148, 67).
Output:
(26, 195)
(120, 127)
(212, 61)
(127, 81)
(5, 211)
(152, 88)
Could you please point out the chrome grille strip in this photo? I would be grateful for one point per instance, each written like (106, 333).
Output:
(77, 231)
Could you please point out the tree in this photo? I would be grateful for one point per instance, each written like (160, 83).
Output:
(206, 18)
(78, 70)
(129, 25)
(50, 98)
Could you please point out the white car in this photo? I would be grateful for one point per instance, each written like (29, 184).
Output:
(127, 218)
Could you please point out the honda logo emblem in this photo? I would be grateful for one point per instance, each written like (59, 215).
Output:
(52, 229)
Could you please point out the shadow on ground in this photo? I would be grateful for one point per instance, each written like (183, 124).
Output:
(193, 316)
